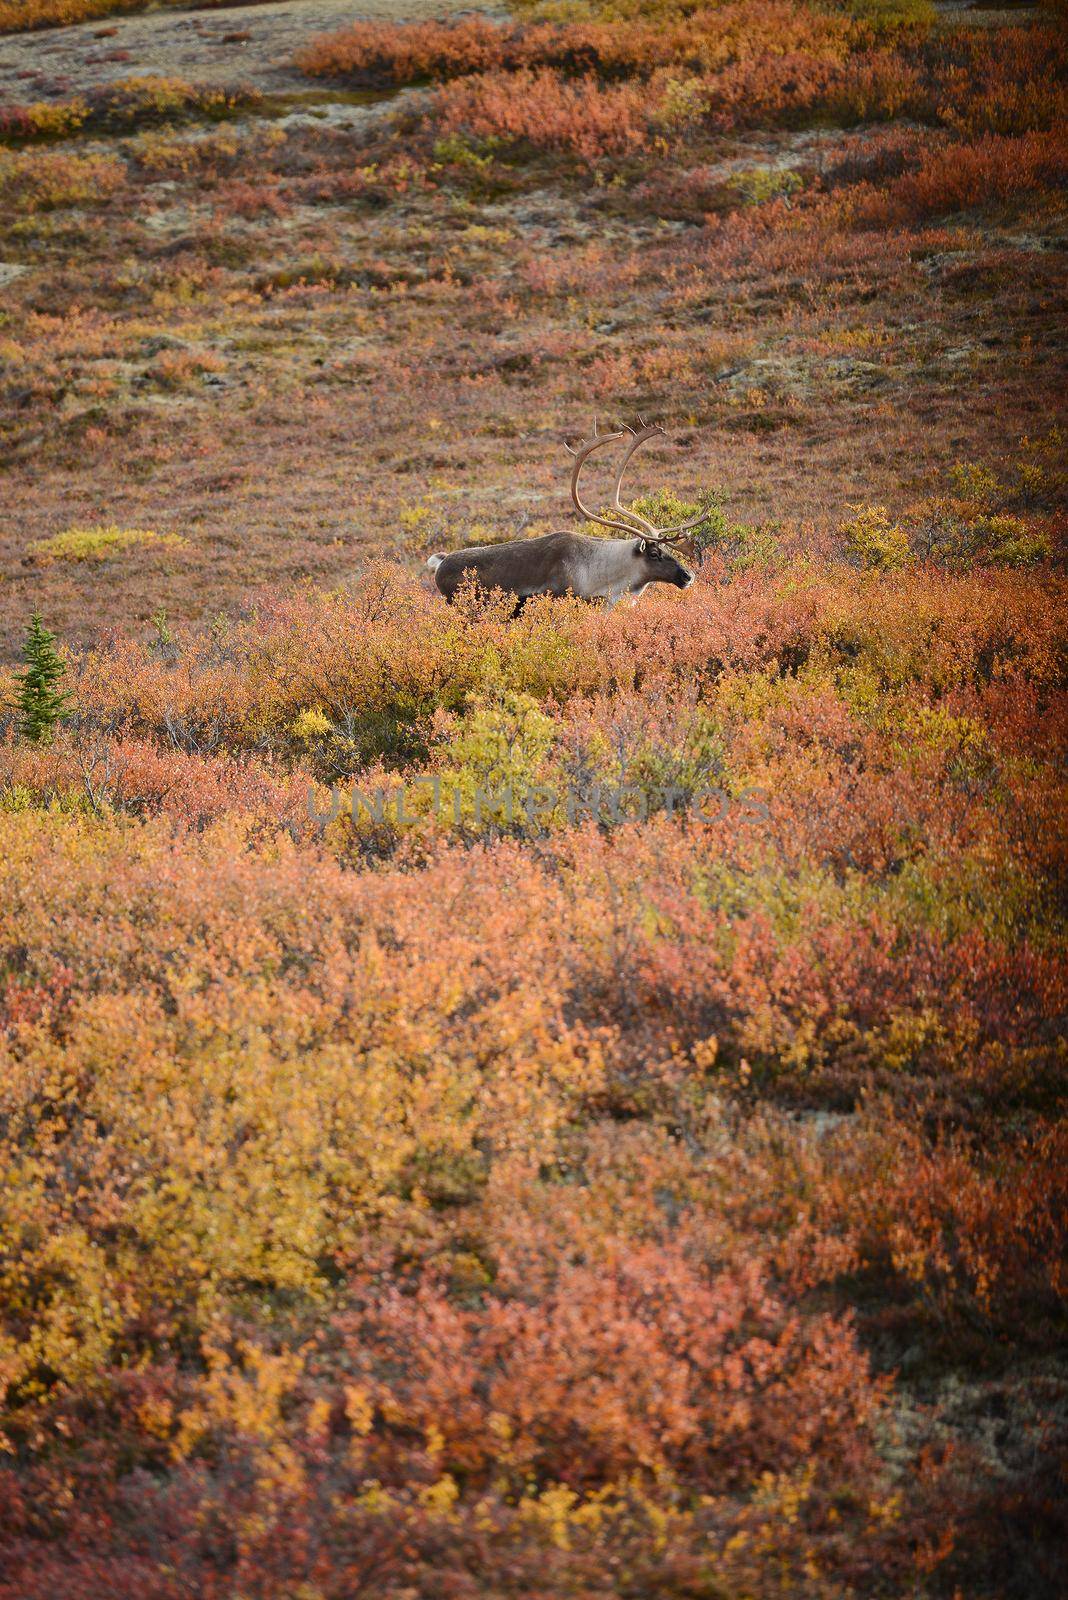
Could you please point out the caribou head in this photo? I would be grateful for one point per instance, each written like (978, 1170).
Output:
(651, 543)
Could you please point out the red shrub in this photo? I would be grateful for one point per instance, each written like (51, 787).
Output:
(979, 1234)
(377, 52)
(641, 1364)
(994, 169)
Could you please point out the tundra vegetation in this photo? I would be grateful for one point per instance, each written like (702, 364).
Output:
(451, 1203)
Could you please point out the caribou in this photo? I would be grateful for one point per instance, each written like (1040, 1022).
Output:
(574, 563)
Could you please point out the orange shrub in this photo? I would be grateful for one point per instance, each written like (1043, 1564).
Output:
(134, 776)
(23, 16)
(739, 65)
(984, 1234)
(377, 1182)
(378, 52)
(579, 117)
(382, 658)
(383, 52)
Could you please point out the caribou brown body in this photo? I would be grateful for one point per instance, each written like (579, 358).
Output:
(573, 563)
(559, 564)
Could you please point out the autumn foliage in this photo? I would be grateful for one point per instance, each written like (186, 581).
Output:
(346, 1152)
(567, 1105)
(759, 63)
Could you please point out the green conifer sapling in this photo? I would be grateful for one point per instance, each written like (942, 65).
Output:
(40, 701)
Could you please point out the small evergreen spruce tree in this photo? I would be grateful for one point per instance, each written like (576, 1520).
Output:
(40, 701)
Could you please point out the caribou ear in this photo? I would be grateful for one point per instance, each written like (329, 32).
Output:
(641, 546)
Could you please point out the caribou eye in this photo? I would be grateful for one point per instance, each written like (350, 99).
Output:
(655, 552)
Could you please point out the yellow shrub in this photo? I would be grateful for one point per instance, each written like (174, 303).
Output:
(756, 185)
(499, 748)
(685, 102)
(43, 180)
(875, 540)
(972, 481)
(1009, 542)
(889, 17)
(45, 120)
(311, 724)
(97, 544)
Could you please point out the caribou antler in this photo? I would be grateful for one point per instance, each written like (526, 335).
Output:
(581, 456)
(638, 524)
